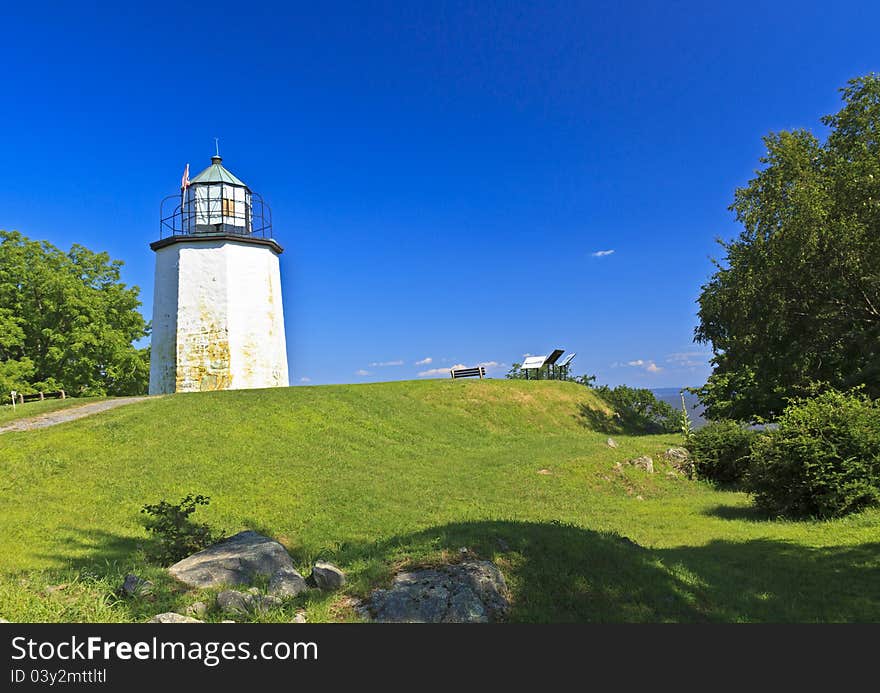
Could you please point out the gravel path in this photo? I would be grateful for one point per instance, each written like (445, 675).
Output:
(56, 417)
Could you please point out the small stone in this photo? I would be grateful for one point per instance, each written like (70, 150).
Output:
(227, 621)
(134, 586)
(610, 443)
(639, 498)
(287, 582)
(544, 471)
(299, 617)
(234, 602)
(3, 620)
(197, 610)
(680, 460)
(253, 590)
(643, 462)
(244, 603)
(52, 589)
(327, 576)
(171, 617)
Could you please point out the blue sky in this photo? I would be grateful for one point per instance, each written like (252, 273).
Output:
(443, 176)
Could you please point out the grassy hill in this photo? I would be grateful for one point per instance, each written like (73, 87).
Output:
(374, 477)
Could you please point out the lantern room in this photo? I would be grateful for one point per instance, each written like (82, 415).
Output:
(215, 203)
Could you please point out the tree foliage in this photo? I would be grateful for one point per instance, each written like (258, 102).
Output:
(797, 299)
(67, 321)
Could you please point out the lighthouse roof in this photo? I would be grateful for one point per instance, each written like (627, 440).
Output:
(217, 173)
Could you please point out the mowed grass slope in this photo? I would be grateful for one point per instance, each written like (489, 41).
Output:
(375, 477)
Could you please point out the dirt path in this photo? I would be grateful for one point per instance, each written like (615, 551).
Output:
(56, 417)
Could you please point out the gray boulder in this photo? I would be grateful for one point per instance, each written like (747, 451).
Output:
(680, 460)
(134, 586)
(643, 462)
(233, 561)
(171, 617)
(243, 603)
(469, 592)
(286, 582)
(327, 576)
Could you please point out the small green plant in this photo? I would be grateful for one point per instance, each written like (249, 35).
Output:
(178, 536)
(685, 426)
(721, 451)
(823, 459)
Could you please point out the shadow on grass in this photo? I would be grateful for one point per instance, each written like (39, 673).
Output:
(599, 421)
(738, 513)
(561, 573)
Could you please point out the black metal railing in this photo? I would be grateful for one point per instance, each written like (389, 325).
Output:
(250, 217)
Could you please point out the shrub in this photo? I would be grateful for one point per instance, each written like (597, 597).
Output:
(178, 536)
(823, 460)
(721, 451)
(639, 411)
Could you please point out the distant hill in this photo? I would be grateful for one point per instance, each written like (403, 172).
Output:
(694, 406)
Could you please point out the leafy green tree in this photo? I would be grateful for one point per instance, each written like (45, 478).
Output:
(637, 410)
(797, 298)
(66, 320)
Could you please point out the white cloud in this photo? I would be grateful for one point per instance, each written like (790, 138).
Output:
(646, 364)
(689, 359)
(603, 253)
(362, 372)
(425, 361)
(384, 364)
(304, 379)
(439, 371)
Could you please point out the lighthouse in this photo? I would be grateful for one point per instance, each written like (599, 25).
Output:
(218, 322)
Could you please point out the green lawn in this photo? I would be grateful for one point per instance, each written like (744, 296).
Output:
(20, 411)
(375, 477)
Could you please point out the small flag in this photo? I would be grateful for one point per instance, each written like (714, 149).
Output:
(184, 182)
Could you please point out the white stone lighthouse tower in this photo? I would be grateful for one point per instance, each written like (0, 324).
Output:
(218, 322)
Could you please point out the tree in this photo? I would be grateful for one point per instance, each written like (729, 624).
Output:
(66, 320)
(797, 298)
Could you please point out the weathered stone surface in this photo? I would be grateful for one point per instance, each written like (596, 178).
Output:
(327, 576)
(286, 582)
(134, 586)
(470, 592)
(171, 617)
(643, 462)
(610, 442)
(243, 603)
(197, 610)
(3, 620)
(233, 561)
(299, 617)
(680, 460)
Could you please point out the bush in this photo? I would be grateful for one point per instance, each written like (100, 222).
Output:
(639, 411)
(721, 451)
(823, 460)
(178, 536)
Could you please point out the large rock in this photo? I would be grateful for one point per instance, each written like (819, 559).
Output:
(327, 576)
(233, 561)
(171, 617)
(469, 592)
